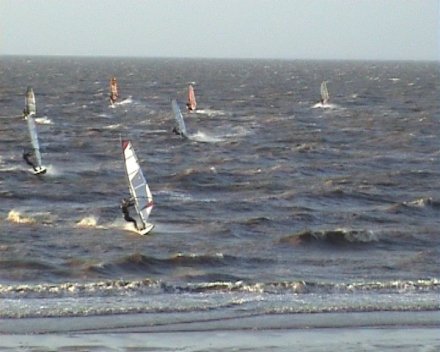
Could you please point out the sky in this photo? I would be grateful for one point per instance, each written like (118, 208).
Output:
(281, 29)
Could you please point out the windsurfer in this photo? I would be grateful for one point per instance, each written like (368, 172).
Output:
(26, 157)
(125, 204)
(177, 131)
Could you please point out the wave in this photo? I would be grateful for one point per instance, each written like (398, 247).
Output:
(139, 263)
(123, 287)
(335, 237)
(426, 202)
(416, 205)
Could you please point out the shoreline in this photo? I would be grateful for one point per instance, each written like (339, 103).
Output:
(345, 339)
(201, 322)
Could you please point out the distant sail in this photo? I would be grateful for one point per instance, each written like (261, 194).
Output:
(181, 128)
(138, 186)
(34, 139)
(324, 93)
(114, 94)
(191, 104)
(29, 102)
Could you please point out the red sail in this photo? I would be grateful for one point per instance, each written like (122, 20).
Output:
(113, 90)
(191, 104)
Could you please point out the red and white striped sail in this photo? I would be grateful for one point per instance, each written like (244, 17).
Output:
(191, 104)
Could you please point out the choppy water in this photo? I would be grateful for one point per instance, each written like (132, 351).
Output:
(275, 205)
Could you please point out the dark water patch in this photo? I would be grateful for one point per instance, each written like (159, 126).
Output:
(138, 264)
(343, 238)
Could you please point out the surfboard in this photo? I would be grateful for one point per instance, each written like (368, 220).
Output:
(181, 128)
(138, 187)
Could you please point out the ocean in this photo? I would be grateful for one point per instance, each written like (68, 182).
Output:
(279, 223)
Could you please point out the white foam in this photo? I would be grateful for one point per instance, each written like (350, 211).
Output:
(43, 120)
(16, 217)
(200, 136)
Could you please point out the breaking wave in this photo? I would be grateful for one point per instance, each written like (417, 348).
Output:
(151, 286)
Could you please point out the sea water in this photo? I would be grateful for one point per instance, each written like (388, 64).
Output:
(277, 215)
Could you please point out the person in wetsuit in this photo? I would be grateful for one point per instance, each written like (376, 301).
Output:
(177, 131)
(27, 158)
(125, 204)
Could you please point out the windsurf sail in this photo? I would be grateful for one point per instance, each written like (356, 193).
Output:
(36, 146)
(137, 184)
(324, 93)
(29, 102)
(114, 94)
(191, 104)
(181, 129)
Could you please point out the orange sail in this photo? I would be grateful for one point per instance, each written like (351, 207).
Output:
(191, 104)
(113, 90)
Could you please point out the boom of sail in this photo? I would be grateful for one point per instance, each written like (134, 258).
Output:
(324, 93)
(29, 102)
(181, 128)
(137, 184)
(191, 104)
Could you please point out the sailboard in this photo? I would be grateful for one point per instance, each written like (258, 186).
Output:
(181, 128)
(324, 93)
(191, 103)
(114, 93)
(138, 186)
(39, 168)
(30, 106)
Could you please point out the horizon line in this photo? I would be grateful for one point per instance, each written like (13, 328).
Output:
(99, 56)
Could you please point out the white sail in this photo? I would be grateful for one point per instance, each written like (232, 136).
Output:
(138, 186)
(324, 93)
(179, 118)
(29, 102)
(34, 139)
